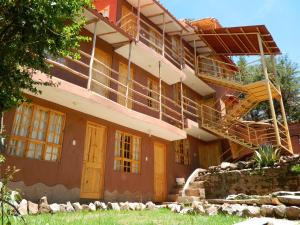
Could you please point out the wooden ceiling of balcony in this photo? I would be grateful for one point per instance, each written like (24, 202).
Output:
(158, 15)
(243, 40)
(105, 29)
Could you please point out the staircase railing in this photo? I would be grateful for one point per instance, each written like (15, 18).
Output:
(230, 127)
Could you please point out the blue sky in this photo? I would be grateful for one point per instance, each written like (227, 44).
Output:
(282, 17)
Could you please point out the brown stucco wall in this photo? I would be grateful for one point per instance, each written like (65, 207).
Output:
(67, 172)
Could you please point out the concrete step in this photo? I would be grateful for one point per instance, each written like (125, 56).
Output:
(187, 199)
(197, 184)
(197, 192)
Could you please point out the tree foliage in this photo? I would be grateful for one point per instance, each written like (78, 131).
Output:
(287, 75)
(30, 31)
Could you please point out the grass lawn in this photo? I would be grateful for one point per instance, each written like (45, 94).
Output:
(162, 216)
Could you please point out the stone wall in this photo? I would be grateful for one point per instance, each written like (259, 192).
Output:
(222, 183)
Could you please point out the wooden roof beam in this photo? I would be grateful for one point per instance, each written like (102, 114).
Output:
(236, 42)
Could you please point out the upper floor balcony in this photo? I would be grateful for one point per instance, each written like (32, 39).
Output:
(161, 40)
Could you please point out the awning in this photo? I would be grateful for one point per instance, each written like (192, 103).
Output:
(232, 41)
(106, 30)
(154, 11)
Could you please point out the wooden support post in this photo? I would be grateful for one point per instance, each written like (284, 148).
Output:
(264, 65)
(195, 58)
(92, 57)
(181, 101)
(282, 109)
(128, 75)
(181, 52)
(164, 34)
(138, 21)
(160, 92)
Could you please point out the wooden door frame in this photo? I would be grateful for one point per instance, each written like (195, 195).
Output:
(104, 154)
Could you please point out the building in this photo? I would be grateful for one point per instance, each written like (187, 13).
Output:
(151, 99)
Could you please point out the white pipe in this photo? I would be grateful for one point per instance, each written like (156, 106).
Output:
(189, 180)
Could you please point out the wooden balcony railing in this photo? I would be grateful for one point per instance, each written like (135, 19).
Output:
(157, 40)
(109, 83)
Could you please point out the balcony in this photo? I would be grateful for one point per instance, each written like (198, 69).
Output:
(162, 55)
(107, 95)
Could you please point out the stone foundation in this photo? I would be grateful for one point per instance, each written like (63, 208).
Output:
(251, 182)
(57, 193)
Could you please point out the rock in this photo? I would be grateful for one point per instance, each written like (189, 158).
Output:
(289, 199)
(77, 207)
(292, 212)
(198, 207)
(267, 210)
(134, 206)
(141, 206)
(125, 206)
(23, 207)
(237, 197)
(69, 207)
(251, 211)
(212, 210)
(33, 208)
(233, 209)
(241, 165)
(174, 207)
(282, 193)
(279, 211)
(186, 211)
(150, 205)
(85, 207)
(43, 205)
(113, 206)
(63, 208)
(92, 207)
(180, 181)
(100, 205)
(213, 168)
(54, 208)
(266, 221)
(249, 164)
(225, 165)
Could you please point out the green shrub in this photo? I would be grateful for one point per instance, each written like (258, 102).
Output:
(295, 168)
(266, 155)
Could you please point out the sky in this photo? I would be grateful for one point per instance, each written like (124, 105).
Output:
(282, 17)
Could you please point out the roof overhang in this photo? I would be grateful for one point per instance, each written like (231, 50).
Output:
(158, 15)
(105, 29)
(232, 41)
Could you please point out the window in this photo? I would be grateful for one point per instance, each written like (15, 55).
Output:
(127, 153)
(37, 133)
(182, 152)
(153, 94)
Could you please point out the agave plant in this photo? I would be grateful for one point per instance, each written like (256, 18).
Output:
(266, 155)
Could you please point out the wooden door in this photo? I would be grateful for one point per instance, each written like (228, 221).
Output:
(209, 154)
(92, 181)
(123, 73)
(160, 183)
(101, 72)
